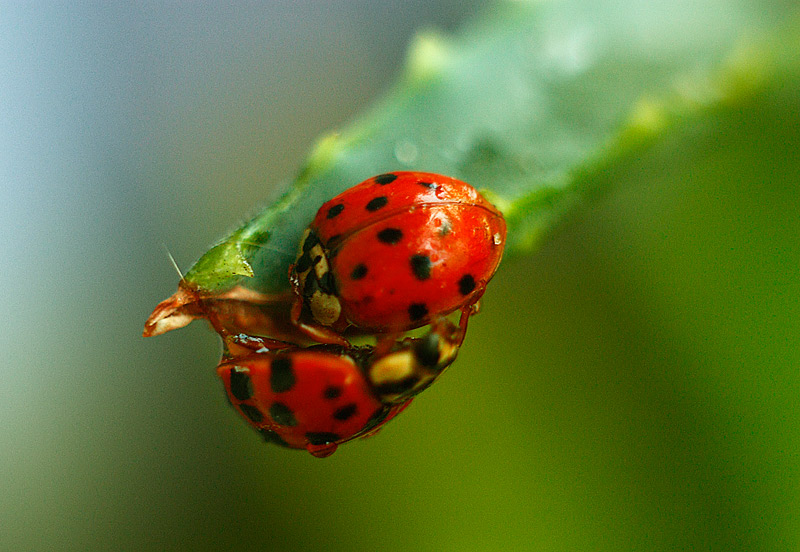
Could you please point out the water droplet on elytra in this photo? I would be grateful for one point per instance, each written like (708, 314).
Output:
(321, 451)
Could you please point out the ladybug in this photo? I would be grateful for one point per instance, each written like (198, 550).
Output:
(393, 253)
(319, 397)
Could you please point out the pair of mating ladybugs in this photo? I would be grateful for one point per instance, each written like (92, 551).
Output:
(397, 252)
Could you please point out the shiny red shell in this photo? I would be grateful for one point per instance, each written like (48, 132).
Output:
(404, 247)
(304, 398)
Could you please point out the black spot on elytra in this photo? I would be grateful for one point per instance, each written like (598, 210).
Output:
(281, 377)
(346, 412)
(386, 178)
(335, 211)
(466, 284)
(332, 392)
(272, 437)
(359, 271)
(417, 311)
(322, 438)
(282, 415)
(377, 203)
(390, 236)
(421, 266)
(241, 385)
(426, 350)
(252, 412)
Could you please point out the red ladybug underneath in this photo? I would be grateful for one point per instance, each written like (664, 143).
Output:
(318, 397)
(393, 253)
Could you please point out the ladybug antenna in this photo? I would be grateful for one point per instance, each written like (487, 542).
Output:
(172, 260)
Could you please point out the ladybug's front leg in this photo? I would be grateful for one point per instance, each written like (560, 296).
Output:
(466, 312)
(440, 327)
(320, 334)
(240, 345)
(386, 343)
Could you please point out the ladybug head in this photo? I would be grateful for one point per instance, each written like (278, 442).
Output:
(313, 280)
(414, 364)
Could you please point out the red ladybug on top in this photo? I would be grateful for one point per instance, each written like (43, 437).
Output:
(394, 253)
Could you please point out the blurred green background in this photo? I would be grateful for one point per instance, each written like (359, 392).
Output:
(631, 386)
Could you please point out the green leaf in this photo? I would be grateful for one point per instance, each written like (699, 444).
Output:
(533, 103)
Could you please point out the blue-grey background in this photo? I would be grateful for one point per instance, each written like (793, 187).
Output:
(630, 387)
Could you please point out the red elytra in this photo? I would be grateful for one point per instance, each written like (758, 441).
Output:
(394, 253)
(312, 399)
(319, 397)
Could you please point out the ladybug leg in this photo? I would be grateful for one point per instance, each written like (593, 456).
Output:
(468, 310)
(240, 345)
(255, 344)
(385, 344)
(244, 311)
(320, 334)
(463, 321)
